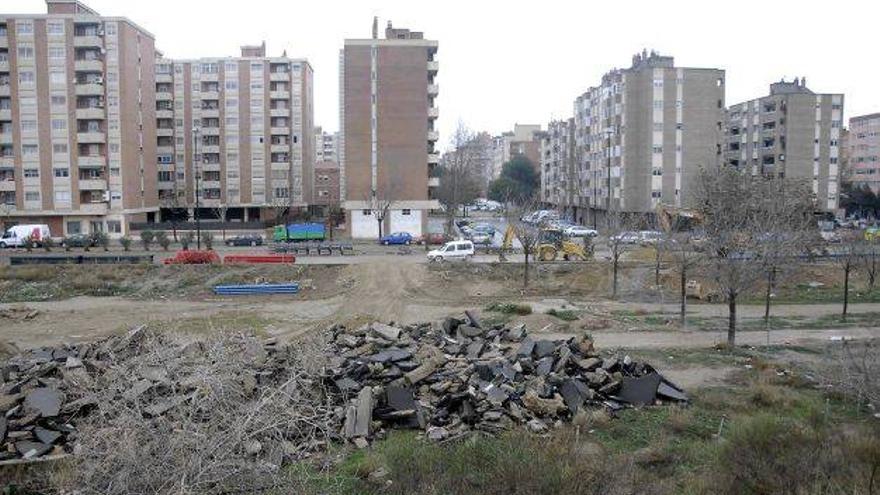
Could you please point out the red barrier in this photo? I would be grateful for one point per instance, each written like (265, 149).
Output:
(259, 258)
(193, 258)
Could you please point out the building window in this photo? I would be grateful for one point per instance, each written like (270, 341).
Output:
(24, 27)
(31, 172)
(59, 148)
(31, 196)
(25, 52)
(26, 77)
(74, 227)
(62, 172)
(58, 101)
(114, 226)
(62, 196)
(59, 124)
(57, 52)
(55, 28)
(406, 211)
(366, 212)
(96, 226)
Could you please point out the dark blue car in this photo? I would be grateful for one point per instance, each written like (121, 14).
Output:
(396, 238)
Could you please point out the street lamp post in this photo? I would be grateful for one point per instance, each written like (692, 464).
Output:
(198, 174)
(608, 150)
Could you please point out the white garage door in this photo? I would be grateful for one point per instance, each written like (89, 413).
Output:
(364, 225)
(407, 221)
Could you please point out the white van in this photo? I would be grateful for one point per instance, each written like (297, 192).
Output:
(16, 235)
(453, 250)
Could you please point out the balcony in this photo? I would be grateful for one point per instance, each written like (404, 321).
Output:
(7, 161)
(210, 131)
(5, 114)
(279, 112)
(88, 41)
(91, 161)
(165, 132)
(4, 65)
(209, 95)
(165, 184)
(433, 136)
(434, 158)
(210, 167)
(164, 96)
(4, 42)
(164, 78)
(90, 113)
(93, 208)
(280, 94)
(209, 148)
(210, 76)
(92, 185)
(5, 90)
(433, 181)
(209, 113)
(6, 137)
(90, 89)
(433, 112)
(165, 149)
(433, 89)
(164, 114)
(91, 137)
(279, 76)
(89, 65)
(280, 148)
(433, 66)
(280, 131)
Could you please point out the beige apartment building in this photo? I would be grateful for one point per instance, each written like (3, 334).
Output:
(558, 178)
(77, 113)
(244, 125)
(793, 132)
(387, 132)
(326, 146)
(643, 134)
(524, 140)
(863, 151)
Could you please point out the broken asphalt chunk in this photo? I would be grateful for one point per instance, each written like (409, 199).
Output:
(44, 400)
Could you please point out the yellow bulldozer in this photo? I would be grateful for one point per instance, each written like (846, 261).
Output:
(553, 241)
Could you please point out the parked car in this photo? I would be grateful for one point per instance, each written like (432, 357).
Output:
(78, 241)
(483, 238)
(650, 236)
(455, 250)
(628, 237)
(579, 231)
(16, 235)
(485, 228)
(396, 238)
(245, 240)
(434, 238)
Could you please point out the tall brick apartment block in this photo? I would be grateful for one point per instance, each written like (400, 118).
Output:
(388, 133)
(792, 132)
(77, 119)
(864, 151)
(247, 121)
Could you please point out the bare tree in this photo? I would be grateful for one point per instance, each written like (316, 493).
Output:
(6, 210)
(848, 256)
(736, 212)
(870, 260)
(220, 213)
(459, 172)
(281, 207)
(174, 205)
(529, 237)
(680, 242)
(615, 231)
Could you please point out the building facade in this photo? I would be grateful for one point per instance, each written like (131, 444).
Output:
(643, 134)
(558, 178)
(524, 140)
(793, 132)
(326, 147)
(387, 132)
(77, 116)
(863, 149)
(326, 184)
(244, 126)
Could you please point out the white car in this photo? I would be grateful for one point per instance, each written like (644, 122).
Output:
(16, 235)
(453, 250)
(578, 231)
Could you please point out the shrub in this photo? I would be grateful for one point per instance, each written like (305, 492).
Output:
(563, 314)
(147, 237)
(125, 242)
(48, 244)
(65, 243)
(163, 240)
(510, 308)
(28, 243)
(185, 240)
(101, 239)
(208, 238)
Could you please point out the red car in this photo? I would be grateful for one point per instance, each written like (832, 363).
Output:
(435, 238)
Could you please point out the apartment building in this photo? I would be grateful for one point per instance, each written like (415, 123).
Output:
(237, 132)
(326, 146)
(793, 132)
(77, 117)
(524, 140)
(387, 127)
(643, 134)
(558, 178)
(863, 151)
(326, 184)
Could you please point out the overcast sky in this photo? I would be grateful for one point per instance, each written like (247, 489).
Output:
(524, 61)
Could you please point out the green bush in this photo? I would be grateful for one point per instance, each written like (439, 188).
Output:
(147, 237)
(186, 239)
(125, 242)
(563, 314)
(48, 244)
(101, 239)
(163, 240)
(510, 308)
(208, 239)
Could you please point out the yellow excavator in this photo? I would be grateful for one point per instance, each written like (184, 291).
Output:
(671, 218)
(553, 241)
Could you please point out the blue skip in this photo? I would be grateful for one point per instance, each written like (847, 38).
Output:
(242, 290)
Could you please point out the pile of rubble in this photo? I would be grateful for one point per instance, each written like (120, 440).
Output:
(462, 376)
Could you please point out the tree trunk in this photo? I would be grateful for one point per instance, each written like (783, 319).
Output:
(683, 296)
(657, 268)
(767, 293)
(526, 271)
(614, 275)
(846, 270)
(731, 320)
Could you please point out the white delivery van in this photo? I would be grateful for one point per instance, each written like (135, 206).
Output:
(453, 250)
(16, 235)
